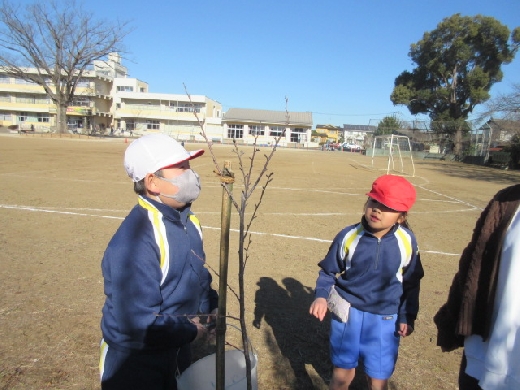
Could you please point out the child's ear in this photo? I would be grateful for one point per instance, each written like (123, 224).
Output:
(401, 219)
(150, 184)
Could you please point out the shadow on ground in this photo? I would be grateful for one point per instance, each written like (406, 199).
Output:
(301, 338)
(475, 172)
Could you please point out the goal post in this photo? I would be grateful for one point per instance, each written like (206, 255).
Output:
(394, 147)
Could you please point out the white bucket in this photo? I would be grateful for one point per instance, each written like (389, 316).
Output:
(201, 374)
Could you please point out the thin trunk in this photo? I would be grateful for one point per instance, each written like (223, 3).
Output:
(225, 220)
(241, 293)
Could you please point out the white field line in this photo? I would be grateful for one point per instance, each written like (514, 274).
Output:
(42, 210)
(312, 190)
(84, 214)
(354, 213)
(55, 211)
(452, 198)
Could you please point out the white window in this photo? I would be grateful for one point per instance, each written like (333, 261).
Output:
(32, 99)
(42, 100)
(130, 125)
(153, 125)
(22, 117)
(81, 101)
(297, 134)
(5, 116)
(83, 82)
(188, 107)
(43, 117)
(235, 131)
(125, 88)
(27, 99)
(276, 131)
(256, 130)
(23, 81)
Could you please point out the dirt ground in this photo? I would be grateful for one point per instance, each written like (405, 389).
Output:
(63, 198)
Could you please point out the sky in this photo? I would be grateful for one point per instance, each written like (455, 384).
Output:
(335, 58)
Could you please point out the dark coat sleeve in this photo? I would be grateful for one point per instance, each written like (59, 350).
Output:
(469, 307)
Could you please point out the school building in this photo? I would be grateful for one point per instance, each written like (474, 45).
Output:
(107, 101)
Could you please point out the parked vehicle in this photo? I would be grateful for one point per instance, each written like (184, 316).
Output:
(346, 147)
(331, 146)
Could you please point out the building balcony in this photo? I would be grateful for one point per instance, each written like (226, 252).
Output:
(22, 88)
(157, 113)
(102, 113)
(25, 107)
(103, 95)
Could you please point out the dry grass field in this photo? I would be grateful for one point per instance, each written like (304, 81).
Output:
(63, 198)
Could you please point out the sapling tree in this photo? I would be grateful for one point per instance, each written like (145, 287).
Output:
(251, 182)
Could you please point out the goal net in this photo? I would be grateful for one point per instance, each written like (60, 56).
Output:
(393, 153)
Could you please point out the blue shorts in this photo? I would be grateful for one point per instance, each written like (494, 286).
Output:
(370, 337)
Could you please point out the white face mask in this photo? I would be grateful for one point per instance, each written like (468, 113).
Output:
(188, 184)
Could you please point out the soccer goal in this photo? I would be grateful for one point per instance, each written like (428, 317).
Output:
(391, 147)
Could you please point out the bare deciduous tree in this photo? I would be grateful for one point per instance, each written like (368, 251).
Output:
(252, 180)
(59, 40)
(506, 106)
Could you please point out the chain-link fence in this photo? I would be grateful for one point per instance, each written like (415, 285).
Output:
(457, 140)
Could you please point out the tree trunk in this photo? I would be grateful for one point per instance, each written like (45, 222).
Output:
(225, 220)
(458, 141)
(61, 118)
(242, 301)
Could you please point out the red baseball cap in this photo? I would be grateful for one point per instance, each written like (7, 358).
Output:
(394, 192)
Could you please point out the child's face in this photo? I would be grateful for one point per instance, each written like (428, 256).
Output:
(162, 187)
(380, 218)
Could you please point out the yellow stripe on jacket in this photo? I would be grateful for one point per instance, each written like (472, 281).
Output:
(155, 217)
(405, 247)
(350, 242)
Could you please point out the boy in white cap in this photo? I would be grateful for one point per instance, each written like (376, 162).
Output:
(155, 281)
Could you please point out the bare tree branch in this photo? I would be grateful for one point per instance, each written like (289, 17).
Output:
(504, 106)
(244, 243)
(59, 40)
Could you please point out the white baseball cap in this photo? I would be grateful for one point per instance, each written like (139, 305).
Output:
(152, 152)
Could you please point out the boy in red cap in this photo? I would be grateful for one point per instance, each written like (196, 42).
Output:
(370, 281)
(155, 280)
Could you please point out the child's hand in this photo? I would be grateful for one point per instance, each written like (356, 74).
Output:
(201, 329)
(405, 330)
(319, 308)
(213, 315)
